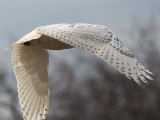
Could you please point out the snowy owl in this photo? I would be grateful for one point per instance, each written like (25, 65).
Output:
(30, 60)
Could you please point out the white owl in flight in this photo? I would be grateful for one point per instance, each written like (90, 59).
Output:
(30, 60)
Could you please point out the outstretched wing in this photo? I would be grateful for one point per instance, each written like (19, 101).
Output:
(30, 67)
(100, 41)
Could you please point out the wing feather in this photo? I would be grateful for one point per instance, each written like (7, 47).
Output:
(102, 42)
(30, 67)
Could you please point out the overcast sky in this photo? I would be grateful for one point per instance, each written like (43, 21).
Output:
(18, 17)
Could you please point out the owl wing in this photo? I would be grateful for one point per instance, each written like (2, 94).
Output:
(30, 67)
(102, 42)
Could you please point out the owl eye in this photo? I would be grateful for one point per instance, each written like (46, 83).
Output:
(27, 43)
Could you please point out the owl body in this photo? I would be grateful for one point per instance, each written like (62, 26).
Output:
(30, 60)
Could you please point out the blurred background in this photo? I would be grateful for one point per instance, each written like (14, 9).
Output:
(84, 87)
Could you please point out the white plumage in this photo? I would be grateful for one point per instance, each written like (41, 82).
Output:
(30, 60)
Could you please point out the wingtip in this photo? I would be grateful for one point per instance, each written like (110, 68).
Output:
(149, 72)
(150, 78)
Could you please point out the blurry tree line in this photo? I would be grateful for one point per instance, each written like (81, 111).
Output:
(86, 88)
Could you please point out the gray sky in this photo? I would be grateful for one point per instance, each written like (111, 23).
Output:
(18, 17)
